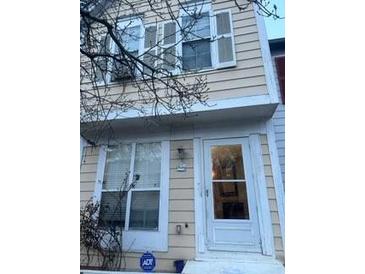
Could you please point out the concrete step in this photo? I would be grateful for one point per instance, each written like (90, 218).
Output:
(233, 267)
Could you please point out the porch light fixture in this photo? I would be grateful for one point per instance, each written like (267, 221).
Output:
(181, 167)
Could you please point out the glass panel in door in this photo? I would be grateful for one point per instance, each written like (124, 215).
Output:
(229, 183)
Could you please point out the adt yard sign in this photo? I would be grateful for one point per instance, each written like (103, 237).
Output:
(147, 262)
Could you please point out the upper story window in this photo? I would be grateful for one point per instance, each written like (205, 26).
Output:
(130, 33)
(205, 41)
(196, 47)
(208, 43)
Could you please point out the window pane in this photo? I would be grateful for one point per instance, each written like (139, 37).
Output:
(196, 55)
(130, 38)
(230, 200)
(125, 70)
(223, 23)
(225, 50)
(101, 69)
(196, 28)
(169, 33)
(112, 209)
(227, 162)
(117, 166)
(101, 65)
(147, 164)
(144, 210)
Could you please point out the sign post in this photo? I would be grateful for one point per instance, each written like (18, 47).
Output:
(147, 262)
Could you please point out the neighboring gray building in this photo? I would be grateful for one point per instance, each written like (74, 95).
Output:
(277, 48)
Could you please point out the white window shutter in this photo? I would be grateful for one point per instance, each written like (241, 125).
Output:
(226, 56)
(150, 49)
(150, 37)
(169, 47)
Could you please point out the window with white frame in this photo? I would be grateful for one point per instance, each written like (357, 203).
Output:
(127, 203)
(207, 38)
(130, 33)
(206, 41)
(196, 44)
(137, 207)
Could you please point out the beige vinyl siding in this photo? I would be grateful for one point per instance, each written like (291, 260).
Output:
(88, 173)
(181, 208)
(247, 78)
(279, 248)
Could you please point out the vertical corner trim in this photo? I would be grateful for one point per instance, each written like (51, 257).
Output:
(266, 57)
(99, 174)
(278, 180)
(198, 203)
(264, 216)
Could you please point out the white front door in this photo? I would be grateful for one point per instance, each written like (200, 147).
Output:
(232, 222)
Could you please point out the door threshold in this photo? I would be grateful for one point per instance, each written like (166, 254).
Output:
(235, 256)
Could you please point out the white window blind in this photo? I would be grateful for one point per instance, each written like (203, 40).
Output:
(139, 201)
(147, 165)
(117, 166)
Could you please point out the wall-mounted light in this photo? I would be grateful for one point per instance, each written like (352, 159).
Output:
(181, 167)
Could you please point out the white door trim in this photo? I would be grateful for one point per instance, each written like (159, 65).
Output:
(198, 197)
(251, 242)
(265, 223)
(263, 210)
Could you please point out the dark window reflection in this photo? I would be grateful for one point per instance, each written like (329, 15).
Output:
(112, 209)
(230, 200)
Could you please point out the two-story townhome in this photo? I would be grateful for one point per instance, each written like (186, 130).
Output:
(210, 188)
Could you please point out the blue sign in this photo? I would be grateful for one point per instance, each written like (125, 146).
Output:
(147, 262)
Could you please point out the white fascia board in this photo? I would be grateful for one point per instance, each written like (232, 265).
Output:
(237, 102)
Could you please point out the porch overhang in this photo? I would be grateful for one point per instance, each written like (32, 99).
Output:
(227, 110)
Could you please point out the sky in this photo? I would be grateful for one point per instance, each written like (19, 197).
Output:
(276, 28)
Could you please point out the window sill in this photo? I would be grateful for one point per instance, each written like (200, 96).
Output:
(184, 73)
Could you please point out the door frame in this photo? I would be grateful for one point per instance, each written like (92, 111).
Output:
(260, 186)
(211, 222)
